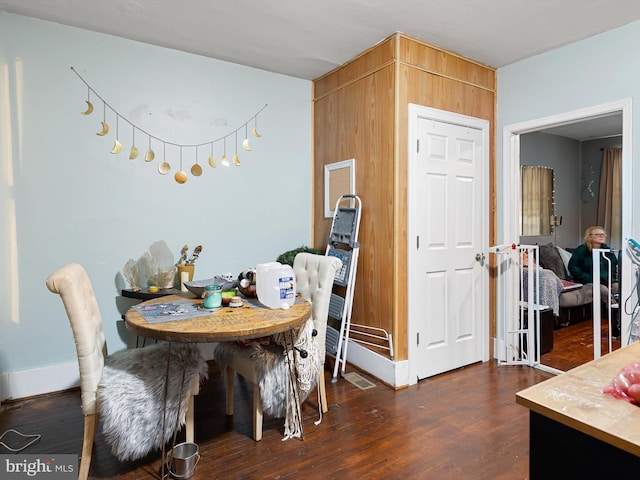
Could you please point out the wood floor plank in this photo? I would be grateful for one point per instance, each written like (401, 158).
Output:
(573, 345)
(461, 424)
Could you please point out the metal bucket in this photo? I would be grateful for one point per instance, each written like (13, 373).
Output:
(183, 459)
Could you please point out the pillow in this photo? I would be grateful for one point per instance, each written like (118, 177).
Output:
(565, 256)
(551, 260)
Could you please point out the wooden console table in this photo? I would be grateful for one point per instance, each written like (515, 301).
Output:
(576, 431)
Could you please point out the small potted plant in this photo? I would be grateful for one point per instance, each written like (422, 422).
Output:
(287, 257)
(187, 265)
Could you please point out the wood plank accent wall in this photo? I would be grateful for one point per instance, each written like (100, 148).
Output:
(360, 110)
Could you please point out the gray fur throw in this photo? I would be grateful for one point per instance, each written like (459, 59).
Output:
(270, 363)
(131, 396)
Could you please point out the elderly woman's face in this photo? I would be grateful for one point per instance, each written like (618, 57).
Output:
(598, 236)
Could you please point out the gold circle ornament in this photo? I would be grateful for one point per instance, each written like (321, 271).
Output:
(164, 168)
(181, 177)
(196, 170)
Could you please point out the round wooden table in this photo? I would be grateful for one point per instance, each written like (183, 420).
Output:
(221, 325)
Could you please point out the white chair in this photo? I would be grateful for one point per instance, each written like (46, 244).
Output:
(314, 276)
(74, 287)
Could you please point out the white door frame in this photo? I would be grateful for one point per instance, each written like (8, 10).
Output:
(419, 111)
(511, 204)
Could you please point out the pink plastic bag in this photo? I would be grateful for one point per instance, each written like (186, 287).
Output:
(626, 385)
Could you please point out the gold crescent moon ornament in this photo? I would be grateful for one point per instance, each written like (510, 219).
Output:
(89, 108)
(245, 145)
(255, 131)
(224, 161)
(134, 153)
(236, 160)
(164, 168)
(149, 156)
(105, 129)
(117, 147)
(212, 161)
(196, 170)
(180, 177)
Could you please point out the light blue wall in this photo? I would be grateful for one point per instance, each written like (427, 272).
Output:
(576, 166)
(595, 71)
(563, 156)
(65, 198)
(591, 154)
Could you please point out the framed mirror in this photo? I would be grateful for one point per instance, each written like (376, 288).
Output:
(537, 200)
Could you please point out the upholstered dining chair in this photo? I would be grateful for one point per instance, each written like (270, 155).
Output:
(72, 283)
(314, 276)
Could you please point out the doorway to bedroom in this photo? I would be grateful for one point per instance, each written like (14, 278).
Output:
(571, 144)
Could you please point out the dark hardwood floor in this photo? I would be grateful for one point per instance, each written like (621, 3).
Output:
(464, 424)
(573, 345)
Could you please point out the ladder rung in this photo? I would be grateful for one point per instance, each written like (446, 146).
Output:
(331, 340)
(336, 307)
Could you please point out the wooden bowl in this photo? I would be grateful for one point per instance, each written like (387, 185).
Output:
(249, 291)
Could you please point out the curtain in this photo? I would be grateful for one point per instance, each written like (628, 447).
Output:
(537, 200)
(610, 197)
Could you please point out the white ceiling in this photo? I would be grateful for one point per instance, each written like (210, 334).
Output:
(307, 39)
(590, 129)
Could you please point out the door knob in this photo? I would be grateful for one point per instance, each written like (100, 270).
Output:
(480, 257)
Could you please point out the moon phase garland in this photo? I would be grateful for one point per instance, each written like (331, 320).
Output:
(164, 168)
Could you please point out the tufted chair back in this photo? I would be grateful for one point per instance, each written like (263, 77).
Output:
(314, 282)
(72, 283)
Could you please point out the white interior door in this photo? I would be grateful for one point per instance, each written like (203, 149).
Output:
(448, 241)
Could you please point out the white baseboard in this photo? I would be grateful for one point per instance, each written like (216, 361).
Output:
(40, 381)
(54, 378)
(27, 383)
(395, 374)
(392, 373)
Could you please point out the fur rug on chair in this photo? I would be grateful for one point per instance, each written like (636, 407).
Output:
(272, 370)
(131, 396)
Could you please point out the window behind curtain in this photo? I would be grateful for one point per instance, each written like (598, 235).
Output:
(537, 200)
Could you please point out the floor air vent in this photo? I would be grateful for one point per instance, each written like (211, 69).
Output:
(358, 380)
